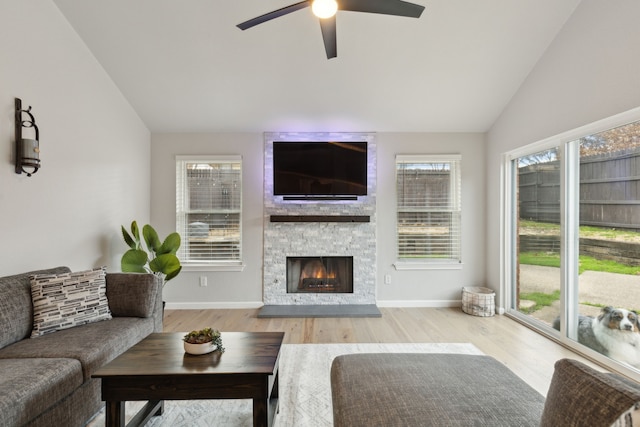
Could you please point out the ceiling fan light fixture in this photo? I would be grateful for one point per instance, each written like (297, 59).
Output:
(324, 8)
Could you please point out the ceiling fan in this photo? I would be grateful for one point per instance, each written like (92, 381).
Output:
(326, 11)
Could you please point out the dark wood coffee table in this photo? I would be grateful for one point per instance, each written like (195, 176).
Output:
(158, 369)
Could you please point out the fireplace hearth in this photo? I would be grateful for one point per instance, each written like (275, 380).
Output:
(320, 274)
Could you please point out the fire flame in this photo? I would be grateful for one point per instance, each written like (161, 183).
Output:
(316, 270)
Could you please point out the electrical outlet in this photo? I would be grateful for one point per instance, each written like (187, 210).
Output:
(387, 279)
(203, 281)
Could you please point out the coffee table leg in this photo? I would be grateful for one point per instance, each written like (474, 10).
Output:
(260, 413)
(264, 410)
(114, 414)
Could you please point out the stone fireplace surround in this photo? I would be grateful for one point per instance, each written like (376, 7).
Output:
(319, 236)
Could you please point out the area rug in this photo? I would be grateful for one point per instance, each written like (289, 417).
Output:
(305, 389)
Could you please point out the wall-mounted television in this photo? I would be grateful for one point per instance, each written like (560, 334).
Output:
(317, 170)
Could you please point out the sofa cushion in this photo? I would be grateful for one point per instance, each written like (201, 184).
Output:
(16, 309)
(574, 390)
(398, 389)
(629, 418)
(131, 294)
(93, 344)
(62, 301)
(30, 386)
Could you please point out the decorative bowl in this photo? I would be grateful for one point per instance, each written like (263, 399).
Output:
(197, 349)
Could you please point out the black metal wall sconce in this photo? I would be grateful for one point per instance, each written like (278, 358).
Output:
(27, 149)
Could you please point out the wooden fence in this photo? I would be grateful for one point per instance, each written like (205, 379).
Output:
(609, 191)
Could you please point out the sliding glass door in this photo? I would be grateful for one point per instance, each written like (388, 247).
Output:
(573, 233)
(537, 276)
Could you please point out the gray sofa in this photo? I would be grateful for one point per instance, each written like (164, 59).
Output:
(469, 390)
(46, 380)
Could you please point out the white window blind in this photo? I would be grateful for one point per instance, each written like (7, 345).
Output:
(429, 208)
(209, 209)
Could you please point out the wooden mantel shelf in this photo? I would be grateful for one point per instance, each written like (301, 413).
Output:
(320, 218)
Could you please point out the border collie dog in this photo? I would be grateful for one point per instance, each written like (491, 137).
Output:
(614, 333)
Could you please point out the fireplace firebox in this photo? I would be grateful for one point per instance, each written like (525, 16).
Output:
(320, 274)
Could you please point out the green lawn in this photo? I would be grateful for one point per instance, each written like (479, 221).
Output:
(585, 231)
(585, 263)
(541, 300)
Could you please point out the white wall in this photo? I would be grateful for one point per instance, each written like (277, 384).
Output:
(225, 289)
(431, 287)
(94, 147)
(589, 72)
(242, 289)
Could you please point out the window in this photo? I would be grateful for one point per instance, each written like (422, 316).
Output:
(429, 208)
(572, 236)
(208, 209)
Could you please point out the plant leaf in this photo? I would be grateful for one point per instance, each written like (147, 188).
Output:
(172, 274)
(128, 239)
(170, 245)
(168, 264)
(151, 238)
(135, 231)
(134, 261)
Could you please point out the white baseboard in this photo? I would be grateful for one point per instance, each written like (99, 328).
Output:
(212, 305)
(420, 303)
(258, 304)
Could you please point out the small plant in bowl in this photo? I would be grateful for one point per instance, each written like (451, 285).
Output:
(203, 341)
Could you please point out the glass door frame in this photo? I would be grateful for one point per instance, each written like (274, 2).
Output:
(567, 145)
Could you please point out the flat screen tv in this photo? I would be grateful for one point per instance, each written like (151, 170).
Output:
(319, 169)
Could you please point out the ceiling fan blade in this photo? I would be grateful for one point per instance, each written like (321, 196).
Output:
(328, 27)
(385, 7)
(275, 14)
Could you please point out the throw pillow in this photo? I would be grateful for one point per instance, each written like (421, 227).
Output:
(62, 301)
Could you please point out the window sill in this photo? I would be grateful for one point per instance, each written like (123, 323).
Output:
(422, 265)
(214, 267)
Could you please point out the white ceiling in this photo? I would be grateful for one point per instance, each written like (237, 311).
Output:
(185, 67)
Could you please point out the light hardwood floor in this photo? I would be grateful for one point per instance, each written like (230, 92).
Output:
(527, 353)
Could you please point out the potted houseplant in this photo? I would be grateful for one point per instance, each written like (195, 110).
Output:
(158, 257)
(203, 341)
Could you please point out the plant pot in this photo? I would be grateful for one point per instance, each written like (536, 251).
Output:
(197, 349)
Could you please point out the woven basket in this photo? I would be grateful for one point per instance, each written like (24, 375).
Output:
(478, 301)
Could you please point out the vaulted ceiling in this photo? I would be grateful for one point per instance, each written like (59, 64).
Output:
(185, 67)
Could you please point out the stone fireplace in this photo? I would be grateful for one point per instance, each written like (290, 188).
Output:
(299, 230)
